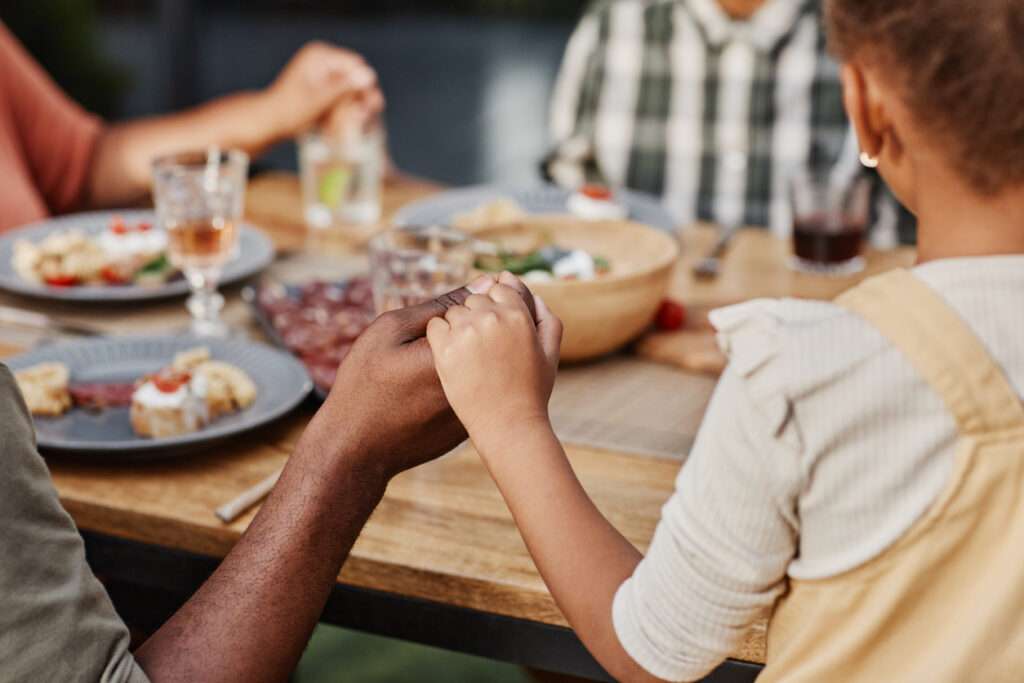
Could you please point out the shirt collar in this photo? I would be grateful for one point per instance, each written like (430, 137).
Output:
(769, 25)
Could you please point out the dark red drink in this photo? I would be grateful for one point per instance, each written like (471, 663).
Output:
(818, 243)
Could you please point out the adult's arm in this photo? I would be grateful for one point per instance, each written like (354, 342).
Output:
(320, 84)
(53, 136)
(251, 620)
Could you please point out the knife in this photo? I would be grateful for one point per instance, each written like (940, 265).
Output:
(40, 321)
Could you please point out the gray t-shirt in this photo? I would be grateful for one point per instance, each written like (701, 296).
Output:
(56, 621)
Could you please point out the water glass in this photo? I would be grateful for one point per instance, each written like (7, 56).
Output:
(830, 220)
(341, 178)
(413, 264)
(199, 199)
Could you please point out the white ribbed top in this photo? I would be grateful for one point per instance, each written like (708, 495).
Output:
(821, 447)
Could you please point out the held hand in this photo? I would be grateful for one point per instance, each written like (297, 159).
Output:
(497, 368)
(322, 84)
(387, 412)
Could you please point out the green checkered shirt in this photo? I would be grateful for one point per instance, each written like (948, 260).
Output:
(674, 98)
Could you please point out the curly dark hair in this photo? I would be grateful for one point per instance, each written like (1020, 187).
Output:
(959, 65)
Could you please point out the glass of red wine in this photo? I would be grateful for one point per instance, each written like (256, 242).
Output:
(830, 220)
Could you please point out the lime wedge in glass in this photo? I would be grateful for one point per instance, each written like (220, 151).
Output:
(333, 186)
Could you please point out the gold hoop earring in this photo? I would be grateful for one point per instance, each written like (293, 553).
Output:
(868, 161)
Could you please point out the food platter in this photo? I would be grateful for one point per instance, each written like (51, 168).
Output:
(281, 384)
(255, 253)
(445, 207)
(317, 322)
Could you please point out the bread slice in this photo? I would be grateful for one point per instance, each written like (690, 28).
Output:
(159, 415)
(228, 388)
(162, 423)
(188, 361)
(212, 389)
(45, 388)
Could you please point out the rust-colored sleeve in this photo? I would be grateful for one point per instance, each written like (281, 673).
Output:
(56, 136)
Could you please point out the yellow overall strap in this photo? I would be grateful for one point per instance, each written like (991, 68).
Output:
(941, 347)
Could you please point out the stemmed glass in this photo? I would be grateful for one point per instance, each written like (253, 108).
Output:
(199, 200)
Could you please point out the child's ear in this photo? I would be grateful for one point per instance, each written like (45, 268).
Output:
(859, 108)
(872, 107)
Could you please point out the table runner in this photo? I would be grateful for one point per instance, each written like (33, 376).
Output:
(629, 405)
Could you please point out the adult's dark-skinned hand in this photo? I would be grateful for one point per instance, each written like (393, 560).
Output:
(251, 620)
(387, 402)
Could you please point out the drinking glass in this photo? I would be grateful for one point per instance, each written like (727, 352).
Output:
(413, 264)
(341, 177)
(199, 199)
(830, 220)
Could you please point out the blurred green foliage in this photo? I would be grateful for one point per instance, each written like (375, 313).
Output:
(62, 35)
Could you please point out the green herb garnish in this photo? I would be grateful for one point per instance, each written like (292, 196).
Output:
(156, 266)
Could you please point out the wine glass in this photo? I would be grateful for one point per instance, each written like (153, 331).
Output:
(199, 199)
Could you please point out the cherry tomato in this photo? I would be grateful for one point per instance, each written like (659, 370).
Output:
(62, 281)
(671, 316)
(599, 192)
(118, 227)
(144, 227)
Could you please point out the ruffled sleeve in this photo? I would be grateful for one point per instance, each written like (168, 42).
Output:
(753, 336)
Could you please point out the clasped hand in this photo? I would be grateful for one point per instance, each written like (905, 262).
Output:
(389, 409)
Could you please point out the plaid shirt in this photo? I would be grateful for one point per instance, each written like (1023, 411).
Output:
(675, 98)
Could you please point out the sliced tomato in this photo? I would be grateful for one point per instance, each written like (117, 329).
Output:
(62, 280)
(112, 276)
(599, 192)
(671, 316)
(117, 225)
(169, 382)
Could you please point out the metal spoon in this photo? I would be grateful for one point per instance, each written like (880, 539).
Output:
(710, 267)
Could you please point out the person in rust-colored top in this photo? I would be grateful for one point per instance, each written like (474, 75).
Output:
(55, 157)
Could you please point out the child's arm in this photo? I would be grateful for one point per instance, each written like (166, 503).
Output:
(581, 557)
(720, 554)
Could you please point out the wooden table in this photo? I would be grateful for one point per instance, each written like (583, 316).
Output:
(440, 561)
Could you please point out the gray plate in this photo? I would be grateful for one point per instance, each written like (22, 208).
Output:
(442, 208)
(255, 252)
(281, 380)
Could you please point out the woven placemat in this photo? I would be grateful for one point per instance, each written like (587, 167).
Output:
(630, 405)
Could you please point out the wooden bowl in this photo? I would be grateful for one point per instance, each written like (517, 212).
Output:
(603, 314)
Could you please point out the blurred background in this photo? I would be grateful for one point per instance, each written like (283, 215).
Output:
(468, 84)
(468, 81)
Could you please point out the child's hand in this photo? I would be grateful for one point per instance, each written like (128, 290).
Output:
(497, 368)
